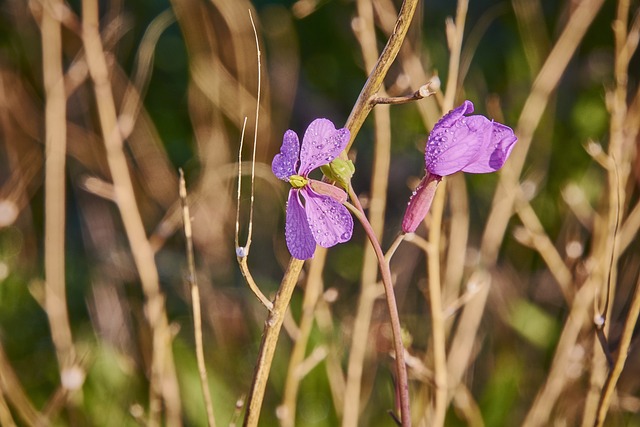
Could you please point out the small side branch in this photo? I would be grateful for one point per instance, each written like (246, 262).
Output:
(421, 93)
(242, 252)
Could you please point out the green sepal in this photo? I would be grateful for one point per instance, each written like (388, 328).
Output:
(339, 171)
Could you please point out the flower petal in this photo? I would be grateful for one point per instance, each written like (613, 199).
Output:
(284, 164)
(452, 148)
(300, 241)
(330, 222)
(450, 119)
(325, 189)
(321, 143)
(492, 157)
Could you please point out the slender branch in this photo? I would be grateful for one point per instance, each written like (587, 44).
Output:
(10, 386)
(454, 36)
(437, 314)
(385, 272)
(134, 95)
(394, 246)
(617, 165)
(195, 302)
(364, 105)
(312, 293)
(503, 202)
(545, 83)
(242, 252)
(361, 109)
(6, 419)
(255, 133)
(545, 247)
(602, 314)
(163, 381)
(56, 142)
(366, 34)
(246, 273)
(421, 93)
(623, 352)
(269, 342)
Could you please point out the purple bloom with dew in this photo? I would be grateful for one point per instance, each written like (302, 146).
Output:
(322, 219)
(457, 143)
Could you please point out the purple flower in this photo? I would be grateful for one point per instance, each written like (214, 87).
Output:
(457, 143)
(472, 144)
(322, 219)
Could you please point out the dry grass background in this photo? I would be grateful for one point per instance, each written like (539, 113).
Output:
(532, 272)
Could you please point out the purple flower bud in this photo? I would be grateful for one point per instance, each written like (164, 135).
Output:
(420, 202)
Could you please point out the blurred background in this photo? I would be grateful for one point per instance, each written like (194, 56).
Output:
(183, 76)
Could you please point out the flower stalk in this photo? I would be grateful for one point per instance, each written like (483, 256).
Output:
(392, 306)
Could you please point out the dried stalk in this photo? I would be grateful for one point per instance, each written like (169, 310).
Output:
(55, 194)
(242, 252)
(270, 334)
(544, 84)
(11, 388)
(195, 302)
(312, 293)
(437, 312)
(454, 37)
(363, 104)
(163, 381)
(623, 351)
(617, 167)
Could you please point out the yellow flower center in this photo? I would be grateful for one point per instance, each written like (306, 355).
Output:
(298, 181)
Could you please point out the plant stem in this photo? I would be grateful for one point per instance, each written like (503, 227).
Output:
(312, 294)
(421, 93)
(359, 113)
(163, 380)
(366, 35)
(56, 142)
(437, 316)
(195, 302)
(623, 352)
(364, 105)
(270, 334)
(385, 272)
